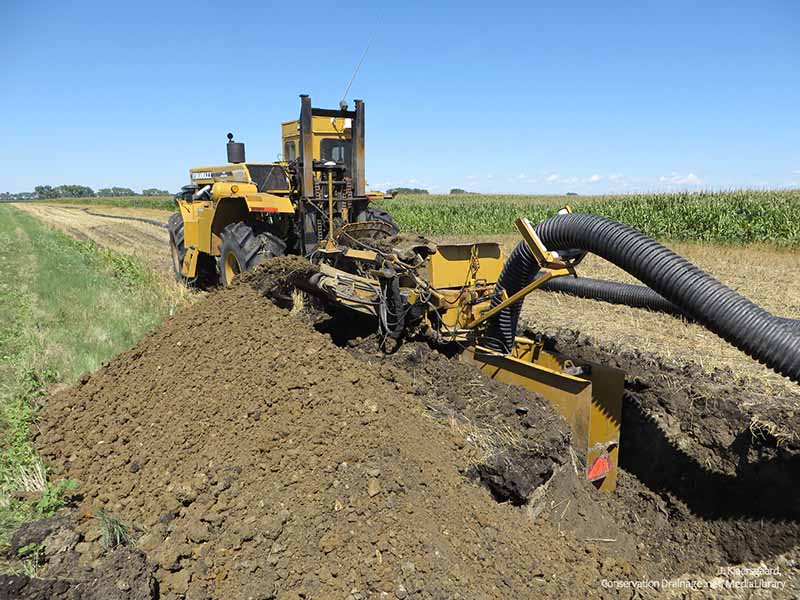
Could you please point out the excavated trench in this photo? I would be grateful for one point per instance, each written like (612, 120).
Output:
(689, 437)
(697, 469)
(258, 452)
(703, 483)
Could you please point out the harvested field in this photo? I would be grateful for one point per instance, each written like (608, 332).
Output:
(143, 240)
(258, 454)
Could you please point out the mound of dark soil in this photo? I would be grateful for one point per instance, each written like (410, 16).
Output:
(278, 277)
(260, 457)
(260, 460)
(522, 439)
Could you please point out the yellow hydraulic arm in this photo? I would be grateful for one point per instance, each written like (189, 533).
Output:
(552, 266)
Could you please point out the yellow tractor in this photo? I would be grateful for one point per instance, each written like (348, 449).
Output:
(234, 216)
(314, 204)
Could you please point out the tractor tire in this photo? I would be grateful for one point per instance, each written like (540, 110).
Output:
(176, 244)
(373, 213)
(243, 249)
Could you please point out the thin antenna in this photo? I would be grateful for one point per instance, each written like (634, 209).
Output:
(358, 66)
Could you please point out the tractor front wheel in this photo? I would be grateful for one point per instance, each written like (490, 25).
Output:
(242, 249)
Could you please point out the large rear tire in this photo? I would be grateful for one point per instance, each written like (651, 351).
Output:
(373, 213)
(177, 247)
(243, 249)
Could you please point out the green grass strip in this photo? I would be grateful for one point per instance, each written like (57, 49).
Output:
(157, 202)
(66, 306)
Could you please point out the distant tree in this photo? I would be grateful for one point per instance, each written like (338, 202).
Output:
(458, 191)
(154, 192)
(73, 191)
(572, 193)
(404, 190)
(116, 191)
(45, 192)
(17, 196)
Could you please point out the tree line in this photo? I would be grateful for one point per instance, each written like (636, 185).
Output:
(48, 192)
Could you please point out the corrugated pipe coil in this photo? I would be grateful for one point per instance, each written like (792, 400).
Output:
(770, 340)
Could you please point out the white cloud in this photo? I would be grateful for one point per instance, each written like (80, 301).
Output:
(413, 181)
(677, 179)
(521, 176)
(690, 179)
(472, 177)
(595, 178)
(796, 171)
(552, 178)
(615, 176)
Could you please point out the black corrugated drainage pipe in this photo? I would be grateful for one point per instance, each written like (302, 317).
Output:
(629, 294)
(614, 292)
(696, 294)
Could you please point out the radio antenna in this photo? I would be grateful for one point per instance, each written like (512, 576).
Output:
(358, 66)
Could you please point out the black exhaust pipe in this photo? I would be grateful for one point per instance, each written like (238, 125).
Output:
(235, 150)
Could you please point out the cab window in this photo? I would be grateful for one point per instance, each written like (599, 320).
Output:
(336, 149)
(289, 151)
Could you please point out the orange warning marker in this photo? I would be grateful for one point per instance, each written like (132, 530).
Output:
(600, 468)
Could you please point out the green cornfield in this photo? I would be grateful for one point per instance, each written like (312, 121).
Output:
(736, 216)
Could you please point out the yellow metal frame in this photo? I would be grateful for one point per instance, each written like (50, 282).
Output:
(551, 266)
(588, 396)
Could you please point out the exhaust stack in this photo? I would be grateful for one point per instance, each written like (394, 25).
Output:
(235, 150)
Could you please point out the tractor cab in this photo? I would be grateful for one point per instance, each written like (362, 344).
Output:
(331, 140)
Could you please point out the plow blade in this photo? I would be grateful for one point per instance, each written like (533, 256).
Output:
(588, 395)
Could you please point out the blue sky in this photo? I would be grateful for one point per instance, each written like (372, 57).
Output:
(493, 97)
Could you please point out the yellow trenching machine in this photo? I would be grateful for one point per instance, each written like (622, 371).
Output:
(314, 203)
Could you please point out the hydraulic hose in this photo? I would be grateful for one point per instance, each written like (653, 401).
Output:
(696, 294)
